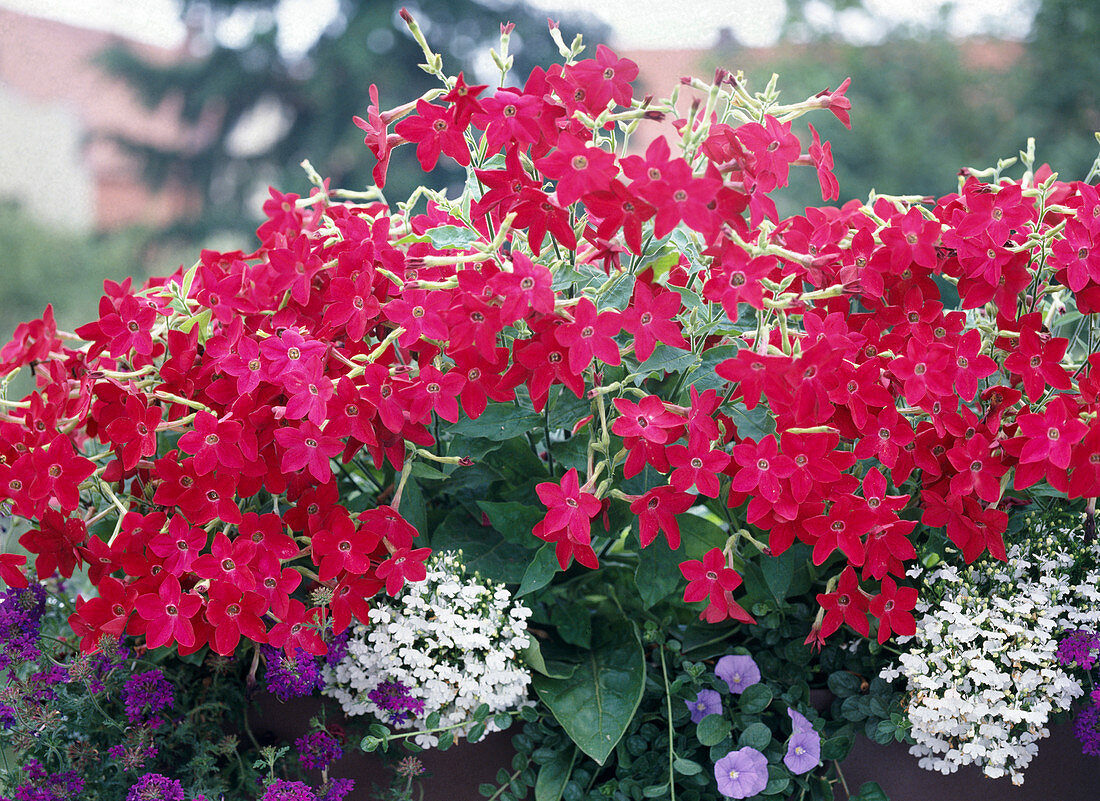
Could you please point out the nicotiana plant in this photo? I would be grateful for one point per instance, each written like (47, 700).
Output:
(613, 380)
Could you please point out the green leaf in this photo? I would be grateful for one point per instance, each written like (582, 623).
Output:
(778, 572)
(499, 421)
(486, 789)
(532, 656)
(574, 623)
(778, 780)
(512, 519)
(870, 791)
(756, 735)
(595, 706)
(483, 549)
(656, 791)
(844, 683)
(446, 740)
(432, 721)
(658, 571)
(475, 733)
(836, 747)
(666, 358)
(553, 776)
(686, 767)
(540, 571)
(712, 729)
(452, 237)
(698, 535)
(481, 713)
(756, 698)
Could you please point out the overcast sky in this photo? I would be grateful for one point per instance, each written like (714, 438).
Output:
(637, 24)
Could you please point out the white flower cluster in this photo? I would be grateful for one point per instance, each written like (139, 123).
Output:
(453, 641)
(981, 669)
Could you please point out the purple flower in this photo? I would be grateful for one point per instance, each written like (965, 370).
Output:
(738, 672)
(1077, 647)
(338, 648)
(146, 694)
(155, 787)
(1087, 729)
(282, 790)
(336, 789)
(804, 746)
(21, 613)
(291, 677)
(741, 773)
(708, 702)
(318, 749)
(393, 698)
(43, 786)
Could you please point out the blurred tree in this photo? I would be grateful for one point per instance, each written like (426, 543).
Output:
(270, 109)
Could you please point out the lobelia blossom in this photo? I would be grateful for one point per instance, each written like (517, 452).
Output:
(707, 702)
(742, 773)
(738, 672)
(291, 677)
(1078, 647)
(1087, 729)
(395, 699)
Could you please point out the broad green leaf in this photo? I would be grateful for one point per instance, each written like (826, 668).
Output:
(666, 358)
(686, 767)
(595, 706)
(532, 656)
(756, 698)
(779, 779)
(756, 735)
(511, 518)
(712, 729)
(870, 791)
(574, 623)
(452, 237)
(483, 549)
(658, 571)
(499, 421)
(698, 535)
(778, 572)
(540, 571)
(554, 774)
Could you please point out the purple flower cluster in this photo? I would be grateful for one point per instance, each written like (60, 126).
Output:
(336, 789)
(1078, 647)
(393, 698)
(318, 750)
(338, 648)
(21, 613)
(145, 695)
(291, 677)
(282, 790)
(44, 786)
(1087, 729)
(155, 787)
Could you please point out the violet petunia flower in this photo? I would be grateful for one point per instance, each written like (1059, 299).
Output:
(742, 773)
(804, 745)
(738, 671)
(708, 702)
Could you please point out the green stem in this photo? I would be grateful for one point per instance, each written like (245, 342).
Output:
(671, 749)
(843, 783)
(504, 786)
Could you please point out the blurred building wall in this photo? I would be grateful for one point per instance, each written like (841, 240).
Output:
(58, 113)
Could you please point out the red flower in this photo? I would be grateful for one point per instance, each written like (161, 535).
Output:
(648, 419)
(435, 129)
(590, 335)
(893, 608)
(168, 613)
(306, 446)
(568, 508)
(403, 565)
(233, 613)
(11, 570)
(697, 465)
(847, 605)
(55, 542)
(340, 546)
(657, 510)
(714, 580)
(837, 103)
(651, 318)
(761, 468)
(578, 168)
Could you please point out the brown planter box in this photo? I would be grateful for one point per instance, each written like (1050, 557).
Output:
(455, 773)
(1059, 772)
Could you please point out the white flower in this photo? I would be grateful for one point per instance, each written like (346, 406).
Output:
(451, 640)
(981, 669)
